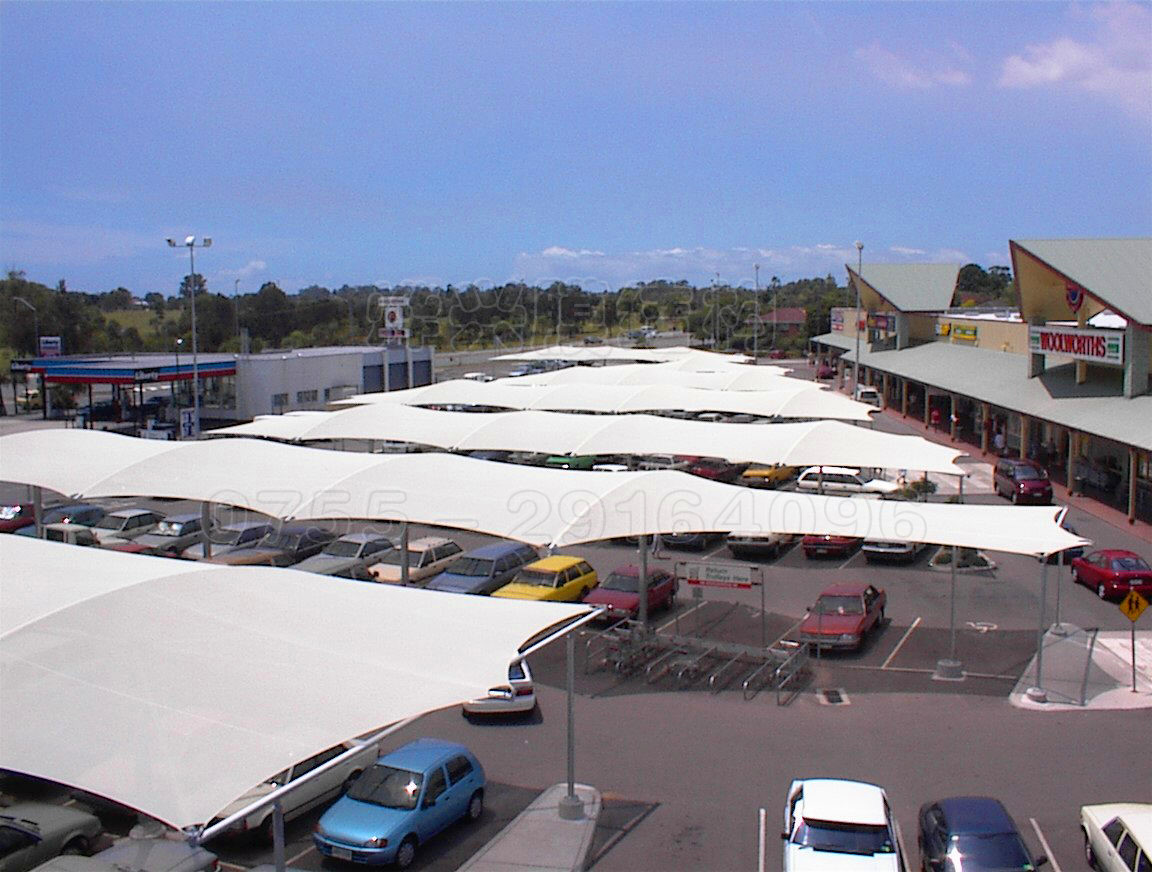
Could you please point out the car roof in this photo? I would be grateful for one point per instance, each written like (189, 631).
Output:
(423, 544)
(555, 563)
(421, 753)
(840, 470)
(362, 537)
(130, 513)
(976, 815)
(847, 588)
(498, 550)
(183, 519)
(633, 569)
(38, 816)
(1137, 817)
(835, 799)
(1116, 552)
(246, 525)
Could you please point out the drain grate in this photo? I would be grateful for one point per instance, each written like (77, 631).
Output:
(832, 696)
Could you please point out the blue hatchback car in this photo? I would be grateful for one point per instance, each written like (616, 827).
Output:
(399, 803)
(484, 570)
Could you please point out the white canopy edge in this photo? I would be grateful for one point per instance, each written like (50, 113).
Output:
(724, 378)
(799, 444)
(174, 687)
(586, 353)
(529, 504)
(793, 399)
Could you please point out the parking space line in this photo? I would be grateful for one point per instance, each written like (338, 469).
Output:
(1044, 844)
(673, 619)
(844, 565)
(900, 644)
(223, 864)
(296, 857)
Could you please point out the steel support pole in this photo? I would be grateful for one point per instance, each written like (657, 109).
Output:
(38, 510)
(195, 347)
(405, 557)
(278, 835)
(205, 527)
(571, 806)
(642, 587)
(1036, 693)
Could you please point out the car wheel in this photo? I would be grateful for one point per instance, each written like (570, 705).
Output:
(406, 853)
(1089, 854)
(1015, 498)
(476, 806)
(583, 593)
(1101, 591)
(76, 847)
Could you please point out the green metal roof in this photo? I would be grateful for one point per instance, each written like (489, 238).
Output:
(1118, 272)
(1000, 378)
(911, 287)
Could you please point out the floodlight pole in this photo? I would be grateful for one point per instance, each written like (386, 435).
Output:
(190, 243)
(642, 585)
(756, 319)
(856, 362)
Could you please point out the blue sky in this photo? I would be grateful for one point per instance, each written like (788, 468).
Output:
(388, 143)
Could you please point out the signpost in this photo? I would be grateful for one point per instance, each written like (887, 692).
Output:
(732, 576)
(1133, 606)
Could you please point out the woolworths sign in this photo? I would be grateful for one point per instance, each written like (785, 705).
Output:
(1099, 346)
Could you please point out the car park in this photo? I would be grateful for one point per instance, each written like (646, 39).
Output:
(125, 524)
(348, 556)
(14, 517)
(427, 556)
(516, 697)
(972, 834)
(751, 546)
(571, 461)
(619, 592)
(836, 825)
(308, 794)
(843, 616)
(1022, 481)
(1117, 836)
(663, 461)
(401, 802)
(290, 544)
(716, 469)
(891, 551)
(843, 480)
(171, 536)
(485, 569)
(761, 476)
(557, 578)
(140, 855)
(229, 537)
(689, 541)
(32, 833)
(83, 514)
(1112, 572)
(828, 545)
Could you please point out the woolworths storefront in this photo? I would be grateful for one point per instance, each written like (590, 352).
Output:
(1064, 379)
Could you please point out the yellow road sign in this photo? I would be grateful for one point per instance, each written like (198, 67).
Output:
(1133, 605)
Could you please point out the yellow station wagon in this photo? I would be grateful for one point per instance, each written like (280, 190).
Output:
(552, 579)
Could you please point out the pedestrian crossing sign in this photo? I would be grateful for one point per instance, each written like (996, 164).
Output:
(1133, 605)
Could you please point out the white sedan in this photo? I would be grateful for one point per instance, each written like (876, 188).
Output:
(1118, 836)
(835, 825)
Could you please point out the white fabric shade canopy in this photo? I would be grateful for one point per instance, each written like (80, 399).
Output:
(793, 399)
(174, 687)
(800, 444)
(724, 378)
(530, 504)
(603, 353)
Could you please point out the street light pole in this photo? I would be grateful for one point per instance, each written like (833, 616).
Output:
(190, 243)
(236, 309)
(856, 362)
(756, 319)
(175, 393)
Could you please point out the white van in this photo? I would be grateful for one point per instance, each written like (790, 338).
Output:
(843, 480)
(865, 394)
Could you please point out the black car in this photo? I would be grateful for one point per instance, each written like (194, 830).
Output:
(972, 834)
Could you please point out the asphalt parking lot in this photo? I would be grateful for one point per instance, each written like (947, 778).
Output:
(684, 771)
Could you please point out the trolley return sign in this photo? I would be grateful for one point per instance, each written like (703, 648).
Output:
(730, 575)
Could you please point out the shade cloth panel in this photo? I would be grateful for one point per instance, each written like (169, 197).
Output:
(174, 688)
(604, 353)
(529, 504)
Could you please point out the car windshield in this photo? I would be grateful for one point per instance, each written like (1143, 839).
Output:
(12, 839)
(628, 583)
(1027, 473)
(111, 522)
(287, 541)
(387, 786)
(992, 851)
(472, 566)
(843, 838)
(341, 548)
(170, 528)
(538, 577)
(1129, 564)
(839, 605)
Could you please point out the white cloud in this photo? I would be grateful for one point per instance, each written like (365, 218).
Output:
(1113, 62)
(253, 267)
(906, 252)
(892, 69)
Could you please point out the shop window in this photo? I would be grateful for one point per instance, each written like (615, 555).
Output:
(307, 396)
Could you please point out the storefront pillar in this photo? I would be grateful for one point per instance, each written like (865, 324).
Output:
(927, 406)
(953, 421)
(1133, 467)
(1073, 451)
(887, 382)
(904, 397)
(1025, 437)
(985, 427)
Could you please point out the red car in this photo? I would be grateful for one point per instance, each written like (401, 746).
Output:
(843, 616)
(620, 591)
(824, 371)
(16, 517)
(1112, 573)
(827, 545)
(716, 469)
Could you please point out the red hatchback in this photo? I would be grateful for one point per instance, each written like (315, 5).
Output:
(827, 545)
(620, 591)
(16, 517)
(1112, 573)
(844, 615)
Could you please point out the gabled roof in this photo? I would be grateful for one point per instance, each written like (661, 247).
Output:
(907, 287)
(1115, 272)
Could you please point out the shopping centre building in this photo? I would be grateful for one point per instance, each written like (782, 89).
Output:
(1062, 379)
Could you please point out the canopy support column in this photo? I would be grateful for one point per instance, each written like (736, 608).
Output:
(571, 806)
(405, 563)
(1036, 693)
(642, 587)
(205, 528)
(278, 835)
(38, 510)
(950, 668)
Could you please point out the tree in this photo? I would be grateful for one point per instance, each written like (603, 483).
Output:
(188, 282)
(270, 313)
